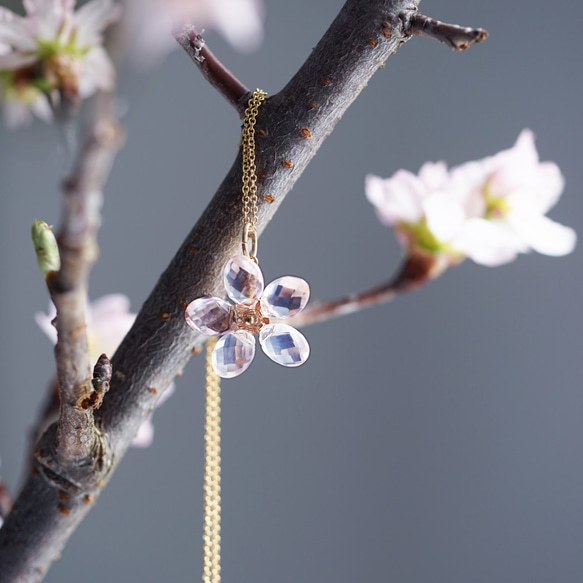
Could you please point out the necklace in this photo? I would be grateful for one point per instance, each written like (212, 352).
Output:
(256, 309)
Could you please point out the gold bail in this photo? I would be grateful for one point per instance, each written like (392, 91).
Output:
(249, 242)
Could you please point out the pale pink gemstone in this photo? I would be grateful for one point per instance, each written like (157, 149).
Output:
(233, 354)
(285, 296)
(208, 315)
(243, 279)
(284, 344)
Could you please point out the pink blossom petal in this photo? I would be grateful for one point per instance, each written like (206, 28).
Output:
(145, 435)
(49, 19)
(42, 108)
(514, 167)
(434, 175)
(240, 22)
(489, 243)
(91, 19)
(98, 72)
(543, 234)
(14, 32)
(541, 192)
(13, 61)
(396, 199)
(44, 322)
(110, 305)
(444, 216)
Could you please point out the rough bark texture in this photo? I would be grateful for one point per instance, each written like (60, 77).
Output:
(291, 127)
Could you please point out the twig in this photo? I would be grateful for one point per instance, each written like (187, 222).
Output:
(291, 126)
(76, 437)
(416, 271)
(5, 500)
(213, 70)
(459, 38)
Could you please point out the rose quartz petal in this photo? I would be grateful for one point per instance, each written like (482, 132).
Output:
(233, 354)
(285, 296)
(284, 344)
(243, 280)
(208, 315)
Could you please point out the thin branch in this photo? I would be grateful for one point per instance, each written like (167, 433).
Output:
(416, 271)
(77, 439)
(291, 127)
(213, 70)
(5, 500)
(459, 38)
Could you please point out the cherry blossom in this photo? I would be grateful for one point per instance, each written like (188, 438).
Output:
(52, 51)
(254, 308)
(240, 22)
(108, 321)
(488, 210)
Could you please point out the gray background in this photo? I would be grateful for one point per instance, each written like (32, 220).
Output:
(436, 439)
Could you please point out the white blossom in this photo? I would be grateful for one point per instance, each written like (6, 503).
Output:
(240, 22)
(488, 210)
(52, 50)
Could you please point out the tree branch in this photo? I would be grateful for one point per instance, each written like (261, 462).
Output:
(76, 437)
(291, 126)
(417, 270)
(235, 92)
(459, 38)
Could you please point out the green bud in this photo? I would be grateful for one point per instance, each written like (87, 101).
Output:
(46, 248)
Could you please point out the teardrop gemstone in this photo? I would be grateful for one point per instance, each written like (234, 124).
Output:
(233, 354)
(243, 279)
(208, 315)
(284, 344)
(285, 296)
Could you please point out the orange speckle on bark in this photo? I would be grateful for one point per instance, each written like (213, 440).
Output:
(313, 104)
(306, 133)
(268, 198)
(288, 164)
(63, 495)
(325, 80)
(165, 316)
(153, 390)
(372, 42)
(88, 499)
(63, 509)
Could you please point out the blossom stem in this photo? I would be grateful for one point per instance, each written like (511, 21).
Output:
(231, 88)
(459, 38)
(416, 271)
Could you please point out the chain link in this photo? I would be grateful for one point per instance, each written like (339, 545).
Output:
(212, 473)
(249, 188)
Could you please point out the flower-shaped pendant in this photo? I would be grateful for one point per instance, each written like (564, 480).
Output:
(252, 313)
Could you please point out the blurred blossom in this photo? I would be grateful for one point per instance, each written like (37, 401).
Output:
(108, 321)
(488, 210)
(52, 52)
(240, 22)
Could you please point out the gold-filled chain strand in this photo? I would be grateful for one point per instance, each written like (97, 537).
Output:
(212, 435)
(249, 186)
(212, 473)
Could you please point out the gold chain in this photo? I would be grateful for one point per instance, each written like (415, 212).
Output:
(250, 174)
(212, 431)
(212, 473)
